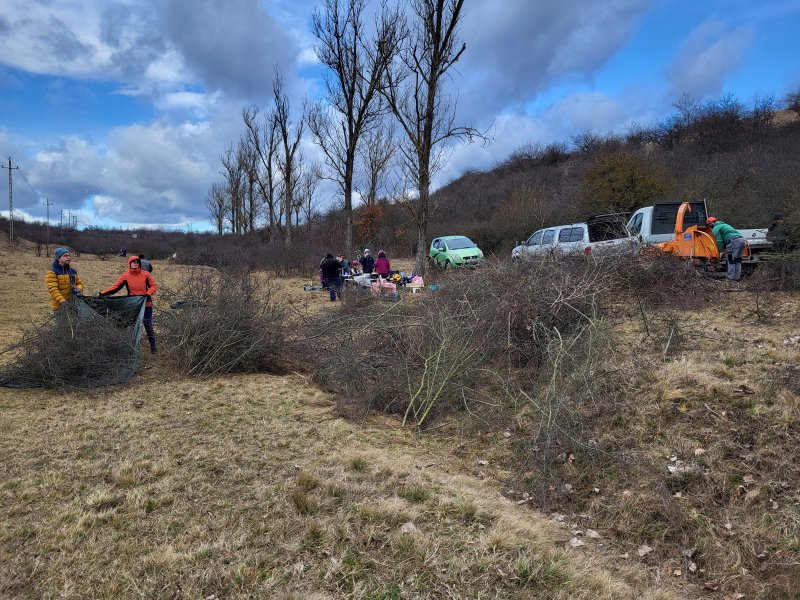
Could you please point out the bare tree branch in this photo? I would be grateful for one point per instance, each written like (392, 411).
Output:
(356, 68)
(413, 89)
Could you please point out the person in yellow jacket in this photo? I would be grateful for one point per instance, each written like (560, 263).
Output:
(62, 280)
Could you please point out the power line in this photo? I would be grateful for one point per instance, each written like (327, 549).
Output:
(25, 179)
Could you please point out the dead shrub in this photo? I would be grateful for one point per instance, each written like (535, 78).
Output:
(224, 322)
(455, 347)
(76, 348)
(412, 358)
(778, 274)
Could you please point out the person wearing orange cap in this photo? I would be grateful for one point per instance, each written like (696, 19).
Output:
(732, 243)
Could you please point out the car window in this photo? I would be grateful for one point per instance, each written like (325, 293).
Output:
(548, 237)
(535, 239)
(570, 234)
(635, 226)
(437, 244)
(460, 243)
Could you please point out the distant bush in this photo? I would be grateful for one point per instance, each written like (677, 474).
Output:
(778, 274)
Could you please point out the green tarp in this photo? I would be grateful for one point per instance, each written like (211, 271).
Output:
(90, 342)
(127, 312)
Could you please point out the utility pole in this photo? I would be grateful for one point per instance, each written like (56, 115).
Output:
(10, 203)
(61, 226)
(47, 203)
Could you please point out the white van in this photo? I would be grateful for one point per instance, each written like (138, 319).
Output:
(600, 234)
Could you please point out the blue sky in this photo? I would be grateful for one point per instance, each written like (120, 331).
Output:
(119, 111)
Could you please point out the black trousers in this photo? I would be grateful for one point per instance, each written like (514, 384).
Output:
(148, 327)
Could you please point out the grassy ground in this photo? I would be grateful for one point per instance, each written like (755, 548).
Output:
(250, 486)
(689, 446)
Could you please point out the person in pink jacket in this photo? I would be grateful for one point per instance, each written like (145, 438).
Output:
(382, 266)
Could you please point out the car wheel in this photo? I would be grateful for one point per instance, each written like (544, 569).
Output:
(447, 264)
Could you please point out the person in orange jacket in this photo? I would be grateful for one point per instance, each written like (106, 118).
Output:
(138, 283)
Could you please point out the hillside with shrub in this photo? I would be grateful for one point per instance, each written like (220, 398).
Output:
(743, 160)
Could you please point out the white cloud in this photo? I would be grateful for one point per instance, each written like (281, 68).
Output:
(21, 215)
(574, 114)
(168, 69)
(705, 58)
(196, 102)
(107, 207)
(149, 44)
(157, 173)
(65, 37)
(516, 47)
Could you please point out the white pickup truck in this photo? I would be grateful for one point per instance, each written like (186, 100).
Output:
(602, 234)
(655, 224)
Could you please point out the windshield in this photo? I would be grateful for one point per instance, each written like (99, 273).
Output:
(460, 243)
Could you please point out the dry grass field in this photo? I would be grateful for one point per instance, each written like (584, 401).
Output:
(251, 487)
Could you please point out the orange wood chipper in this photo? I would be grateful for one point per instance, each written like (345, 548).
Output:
(697, 244)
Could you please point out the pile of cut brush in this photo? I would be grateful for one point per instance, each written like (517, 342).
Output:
(83, 345)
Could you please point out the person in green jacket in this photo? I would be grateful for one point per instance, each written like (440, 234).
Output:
(732, 243)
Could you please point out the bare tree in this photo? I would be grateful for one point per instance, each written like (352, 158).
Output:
(298, 200)
(235, 186)
(217, 203)
(307, 195)
(252, 198)
(262, 139)
(792, 101)
(356, 66)
(762, 115)
(376, 153)
(414, 92)
(289, 136)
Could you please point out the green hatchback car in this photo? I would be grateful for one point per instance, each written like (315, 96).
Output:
(454, 251)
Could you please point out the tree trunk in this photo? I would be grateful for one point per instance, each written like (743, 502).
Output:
(422, 221)
(288, 204)
(348, 206)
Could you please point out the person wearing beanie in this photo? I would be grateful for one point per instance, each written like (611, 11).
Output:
(138, 283)
(146, 266)
(382, 266)
(62, 280)
(330, 268)
(777, 233)
(367, 262)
